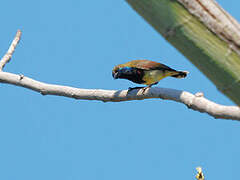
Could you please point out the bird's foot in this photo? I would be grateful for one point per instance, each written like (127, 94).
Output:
(132, 88)
(148, 87)
(144, 89)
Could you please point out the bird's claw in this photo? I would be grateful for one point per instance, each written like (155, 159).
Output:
(132, 88)
(144, 89)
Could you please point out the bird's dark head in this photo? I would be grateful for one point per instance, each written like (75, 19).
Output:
(121, 72)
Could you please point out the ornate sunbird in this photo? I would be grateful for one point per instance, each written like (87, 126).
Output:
(145, 72)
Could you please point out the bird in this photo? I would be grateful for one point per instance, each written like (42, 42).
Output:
(145, 72)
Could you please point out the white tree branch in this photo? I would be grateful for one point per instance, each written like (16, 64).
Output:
(196, 102)
(7, 57)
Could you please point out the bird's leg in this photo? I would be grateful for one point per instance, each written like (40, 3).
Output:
(132, 88)
(153, 84)
(145, 88)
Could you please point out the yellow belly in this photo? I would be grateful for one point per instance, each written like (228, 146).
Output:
(153, 76)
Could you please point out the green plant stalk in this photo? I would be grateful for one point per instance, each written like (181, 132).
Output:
(195, 41)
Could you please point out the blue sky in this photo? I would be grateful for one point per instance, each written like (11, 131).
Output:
(77, 43)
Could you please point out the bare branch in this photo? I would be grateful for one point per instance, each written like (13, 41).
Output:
(196, 102)
(6, 58)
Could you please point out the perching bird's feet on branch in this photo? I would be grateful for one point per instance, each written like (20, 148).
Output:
(132, 88)
(147, 87)
(142, 88)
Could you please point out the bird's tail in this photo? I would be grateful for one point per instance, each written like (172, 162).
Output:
(180, 74)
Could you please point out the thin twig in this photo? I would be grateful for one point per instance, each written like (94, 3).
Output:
(7, 57)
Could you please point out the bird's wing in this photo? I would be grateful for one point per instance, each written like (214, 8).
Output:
(148, 65)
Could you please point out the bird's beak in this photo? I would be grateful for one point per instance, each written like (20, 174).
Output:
(115, 75)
